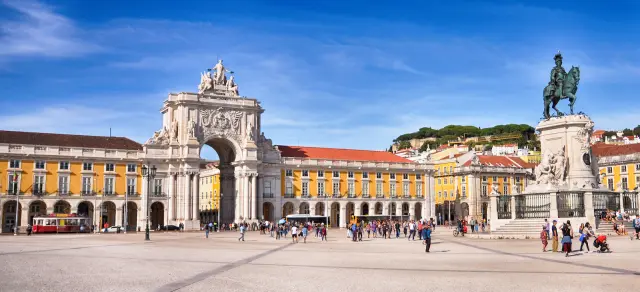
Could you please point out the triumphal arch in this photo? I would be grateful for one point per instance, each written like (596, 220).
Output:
(218, 116)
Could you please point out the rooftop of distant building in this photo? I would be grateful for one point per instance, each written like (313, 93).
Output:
(68, 140)
(340, 154)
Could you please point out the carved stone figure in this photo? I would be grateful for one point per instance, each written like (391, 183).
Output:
(249, 131)
(584, 136)
(192, 129)
(515, 189)
(219, 77)
(475, 160)
(159, 138)
(494, 189)
(552, 170)
(206, 82)
(561, 86)
(174, 130)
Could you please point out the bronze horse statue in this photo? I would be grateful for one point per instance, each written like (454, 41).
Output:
(569, 90)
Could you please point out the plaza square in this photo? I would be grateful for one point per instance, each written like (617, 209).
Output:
(321, 146)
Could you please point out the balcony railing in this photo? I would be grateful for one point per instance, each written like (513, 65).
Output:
(379, 196)
(132, 194)
(323, 196)
(289, 196)
(109, 194)
(267, 195)
(66, 193)
(336, 196)
(351, 196)
(158, 194)
(419, 196)
(407, 196)
(305, 196)
(366, 196)
(84, 193)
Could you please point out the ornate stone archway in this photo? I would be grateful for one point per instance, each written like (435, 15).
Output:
(216, 116)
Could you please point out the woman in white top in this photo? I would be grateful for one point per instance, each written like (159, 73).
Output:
(294, 233)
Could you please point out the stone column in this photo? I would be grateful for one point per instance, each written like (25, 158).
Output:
(119, 218)
(312, 209)
(171, 195)
(254, 197)
(493, 215)
(24, 216)
(245, 195)
(145, 199)
(343, 215)
(186, 189)
(259, 198)
(621, 195)
(195, 196)
(513, 207)
(399, 208)
(553, 205)
(588, 208)
(236, 195)
(357, 209)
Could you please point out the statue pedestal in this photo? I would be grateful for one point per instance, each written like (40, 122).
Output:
(568, 137)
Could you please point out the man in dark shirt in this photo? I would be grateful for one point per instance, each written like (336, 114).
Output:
(554, 236)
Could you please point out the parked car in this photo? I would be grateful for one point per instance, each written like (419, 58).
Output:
(171, 228)
(114, 229)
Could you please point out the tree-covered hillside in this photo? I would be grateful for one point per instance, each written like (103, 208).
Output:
(455, 131)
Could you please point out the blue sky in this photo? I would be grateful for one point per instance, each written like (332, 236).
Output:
(349, 74)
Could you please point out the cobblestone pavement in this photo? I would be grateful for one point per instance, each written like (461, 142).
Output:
(188, 262)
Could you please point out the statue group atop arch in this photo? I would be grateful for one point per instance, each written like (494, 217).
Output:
(218, 82)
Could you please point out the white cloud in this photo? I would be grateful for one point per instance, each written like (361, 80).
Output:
(40, 32)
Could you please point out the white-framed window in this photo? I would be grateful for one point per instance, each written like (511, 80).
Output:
(351, 188)
(609, 169)
(495, 179)
(40, 164)
(109, 167)
(418, 176)
(131, 167)
(14, 183)
(35, 208)
(288, 172)
(445, 194)
(379, 190)
(392, 176)
(320, 188)
(289, 188)
(378, 175)
(517, 179)
(610, 184)
(439, 181)
(419, 189)
(267, 188)
(38, 184)
(87, 166)
(450, 169)
(464, 191)
(109, 185)
(320, 173)
(623, 168)
(63, 184)
(405, 189)
(484, 178)
(336, 188)
(392, 189)
(625, 183)
(14, 163)
(336, 173)
(365, 188)
(637, 166)
(305, 188)
(484, 190)
(365, 175)
(463, 178)
(445, 170)
(439, 194)
(451, 180)
(505, 189)
(131, 186)
(63, 165)
(405, 176)
(350, 174)
(86, 185)
(305, 173)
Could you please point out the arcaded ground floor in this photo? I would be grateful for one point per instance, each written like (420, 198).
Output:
(188, 262)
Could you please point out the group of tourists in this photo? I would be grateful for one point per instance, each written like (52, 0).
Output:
(585, 233)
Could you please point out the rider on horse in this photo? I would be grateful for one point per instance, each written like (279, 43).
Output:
(558, 74)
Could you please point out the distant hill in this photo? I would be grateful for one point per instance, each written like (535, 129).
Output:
(517, 133)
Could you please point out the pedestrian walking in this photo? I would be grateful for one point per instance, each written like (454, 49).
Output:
(554, 236)
(567, 235)
(206, 232)
(294, 234)
(304, 233)
(426, 234)
(544, 238)
(587, 232)
(243, 228)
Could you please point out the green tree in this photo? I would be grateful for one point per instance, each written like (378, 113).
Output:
(636, 130)
(627, 132)
(404, 145)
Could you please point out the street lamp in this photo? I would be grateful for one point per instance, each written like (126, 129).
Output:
(149, 173)
(16, 191)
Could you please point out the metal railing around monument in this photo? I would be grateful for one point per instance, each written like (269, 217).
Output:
(570, 204)
(531, 206)
(603, 201)
(504, 207)
(630, 202)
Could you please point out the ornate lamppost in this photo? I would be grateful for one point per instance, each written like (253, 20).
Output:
(149, 173)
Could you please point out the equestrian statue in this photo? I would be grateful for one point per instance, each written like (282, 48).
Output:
(561, 86)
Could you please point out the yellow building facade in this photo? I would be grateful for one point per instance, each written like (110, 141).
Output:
(67, 174)
(341, 183)
(619, 166)
(209, 193)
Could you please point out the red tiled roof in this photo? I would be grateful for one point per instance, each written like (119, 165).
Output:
(602, 149)
(598, 132)
(501, 161)
(340, 154)
(67, 140)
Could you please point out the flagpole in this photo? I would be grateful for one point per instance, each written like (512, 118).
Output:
(16, 190)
